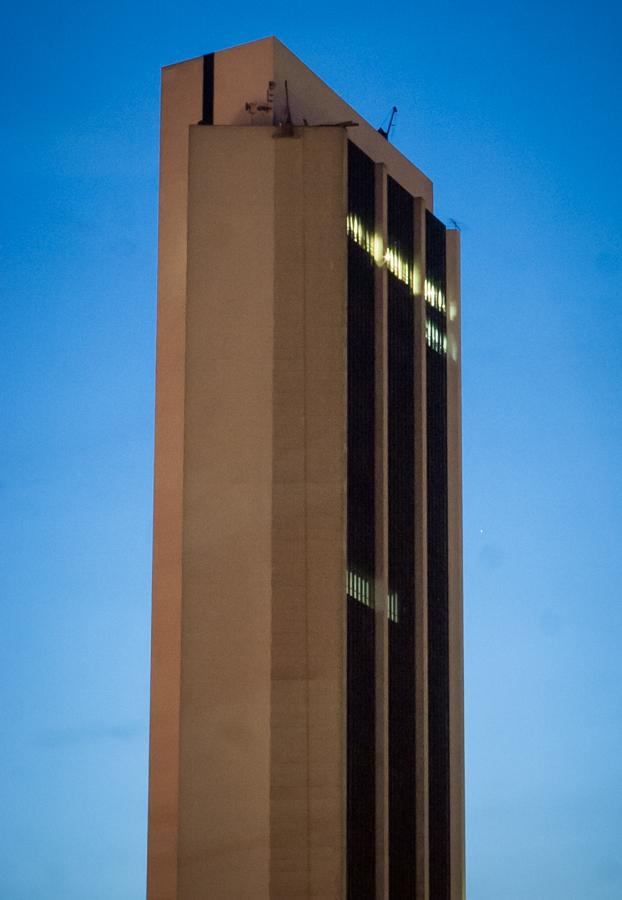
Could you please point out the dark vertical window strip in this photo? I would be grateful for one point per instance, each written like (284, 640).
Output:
(401, 424)
(400, 220)
(361, 841)
(208, 90)
(438, 586)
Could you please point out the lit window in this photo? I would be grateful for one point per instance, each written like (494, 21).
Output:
(360, 589)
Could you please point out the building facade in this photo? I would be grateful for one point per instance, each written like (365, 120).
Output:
(307, 690)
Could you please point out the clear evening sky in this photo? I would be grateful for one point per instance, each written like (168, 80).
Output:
(514, 111)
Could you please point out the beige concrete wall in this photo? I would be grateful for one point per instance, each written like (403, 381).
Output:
(289, 775)
(181, 103)
(259, 715)
(456, 653)
(325, 401)
(308, 553)
(225, 687)
(241, 75)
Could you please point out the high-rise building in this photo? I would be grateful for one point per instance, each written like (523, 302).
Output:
(307, 692)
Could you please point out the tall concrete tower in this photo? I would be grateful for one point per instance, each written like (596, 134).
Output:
(307, 690)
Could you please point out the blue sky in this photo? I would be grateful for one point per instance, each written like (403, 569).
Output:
(514, 111)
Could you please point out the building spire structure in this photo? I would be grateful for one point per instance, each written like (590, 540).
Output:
(306, 687)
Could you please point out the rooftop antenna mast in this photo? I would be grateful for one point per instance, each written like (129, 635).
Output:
(386, 132)
(288, 126)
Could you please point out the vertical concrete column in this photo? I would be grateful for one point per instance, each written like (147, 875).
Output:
(308, 673)
(381, 584)
(454, 522)
(325, 271)
(289, 719)
(224, 753)
(182, 99)
(421, 555)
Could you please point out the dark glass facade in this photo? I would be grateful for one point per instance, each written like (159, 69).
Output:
(401, 475)
(438, 586)
(361, 502)
(207, 117)
(361, 838)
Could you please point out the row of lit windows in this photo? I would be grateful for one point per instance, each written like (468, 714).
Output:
(435, 337)
(398, 266)
(360, 589)
(394, 608)
(373, 244)
(434, 296)
(368, 240)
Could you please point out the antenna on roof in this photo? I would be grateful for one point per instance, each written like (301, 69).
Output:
(387, 132)
(288, 125)
(286, 128)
